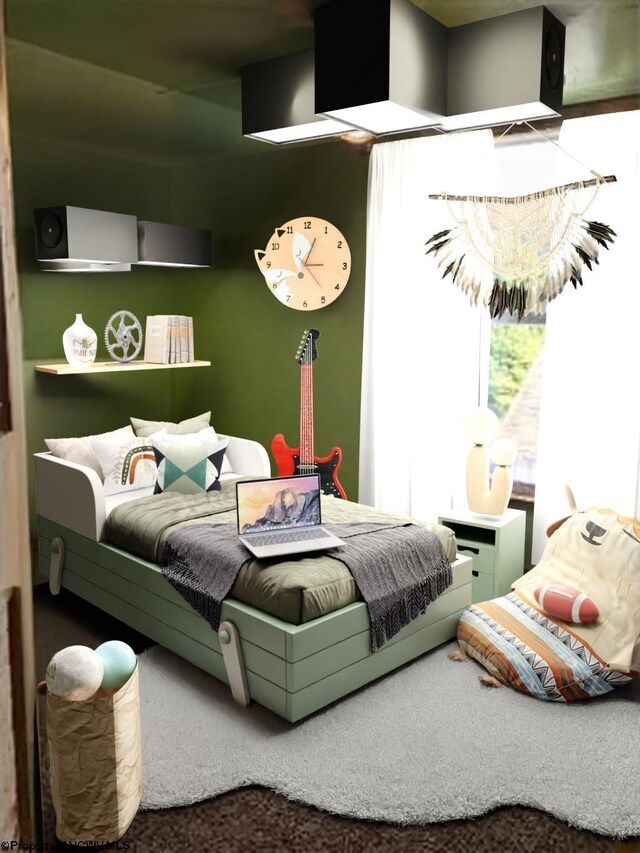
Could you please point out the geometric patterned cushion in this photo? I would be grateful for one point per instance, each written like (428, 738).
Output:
(527, 650)
(188, 467)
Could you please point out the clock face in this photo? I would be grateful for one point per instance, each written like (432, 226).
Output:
(306, 263)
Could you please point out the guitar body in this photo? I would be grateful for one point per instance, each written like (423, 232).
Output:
(288, 464)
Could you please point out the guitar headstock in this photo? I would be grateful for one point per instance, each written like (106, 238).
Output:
(307, 351)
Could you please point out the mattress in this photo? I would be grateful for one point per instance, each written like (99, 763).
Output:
(298, 590)
(112, 501)
(295, 590)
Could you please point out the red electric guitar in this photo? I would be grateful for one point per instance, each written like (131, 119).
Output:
(300, 460)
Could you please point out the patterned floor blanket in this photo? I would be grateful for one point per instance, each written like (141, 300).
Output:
(525, 649)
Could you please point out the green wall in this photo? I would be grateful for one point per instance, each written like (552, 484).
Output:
(251, 338)
(253, 385)
(47, 173)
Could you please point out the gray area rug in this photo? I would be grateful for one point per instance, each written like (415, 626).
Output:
(426, 744)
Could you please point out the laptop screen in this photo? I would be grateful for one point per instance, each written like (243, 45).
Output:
(278, 504)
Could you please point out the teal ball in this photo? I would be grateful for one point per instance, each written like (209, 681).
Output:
(119, 662)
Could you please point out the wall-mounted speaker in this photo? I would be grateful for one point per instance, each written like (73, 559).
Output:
(505, 69)
(163, 245)
(66, 233)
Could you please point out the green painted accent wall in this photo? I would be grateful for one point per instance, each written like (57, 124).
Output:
(253, 385)
(48, 173)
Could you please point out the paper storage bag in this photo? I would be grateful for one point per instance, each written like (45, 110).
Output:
(95, 764)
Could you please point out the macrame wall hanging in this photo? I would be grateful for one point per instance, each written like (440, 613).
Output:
(515, 254)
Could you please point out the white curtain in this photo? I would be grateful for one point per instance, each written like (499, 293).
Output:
(590, 406)
(425, 348)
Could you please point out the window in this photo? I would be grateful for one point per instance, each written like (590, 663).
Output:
(515, 365)
(515, 377)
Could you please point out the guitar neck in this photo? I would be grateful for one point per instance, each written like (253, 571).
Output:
(306, 416)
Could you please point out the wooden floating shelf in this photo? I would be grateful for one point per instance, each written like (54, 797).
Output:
(113, 367)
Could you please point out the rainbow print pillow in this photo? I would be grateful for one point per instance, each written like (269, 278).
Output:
(126, 464)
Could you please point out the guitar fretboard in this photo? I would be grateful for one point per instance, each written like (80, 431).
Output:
(307, 465)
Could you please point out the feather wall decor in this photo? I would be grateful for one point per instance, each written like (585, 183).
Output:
(515, 254)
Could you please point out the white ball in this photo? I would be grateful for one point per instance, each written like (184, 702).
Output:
(75, 673)
(504, 451)
(480, 425)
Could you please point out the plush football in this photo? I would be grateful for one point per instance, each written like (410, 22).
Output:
(566, 604)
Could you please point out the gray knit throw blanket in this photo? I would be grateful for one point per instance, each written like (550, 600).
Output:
(399, 569)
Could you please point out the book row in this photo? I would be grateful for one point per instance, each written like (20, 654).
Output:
(169, 339)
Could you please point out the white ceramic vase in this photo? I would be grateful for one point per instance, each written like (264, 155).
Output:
(80, 343)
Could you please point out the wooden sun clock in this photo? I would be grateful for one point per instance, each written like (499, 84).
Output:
(301, 460)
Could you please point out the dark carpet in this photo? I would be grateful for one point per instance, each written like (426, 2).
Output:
(254, 819)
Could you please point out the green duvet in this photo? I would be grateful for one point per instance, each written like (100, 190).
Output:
(295, 590)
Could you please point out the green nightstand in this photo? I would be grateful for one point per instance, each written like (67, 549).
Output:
(496, 545)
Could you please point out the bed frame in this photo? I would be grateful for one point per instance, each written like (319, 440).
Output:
(291, 669)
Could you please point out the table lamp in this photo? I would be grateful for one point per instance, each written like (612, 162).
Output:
(480, 427)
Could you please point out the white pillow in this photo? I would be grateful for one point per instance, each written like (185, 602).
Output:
(226, 465)
(80, 451)
(203, 435)
(173, 437)
(127, 464)
(146, 428)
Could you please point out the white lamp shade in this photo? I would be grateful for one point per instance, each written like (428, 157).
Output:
(504, 451)
(480, 425)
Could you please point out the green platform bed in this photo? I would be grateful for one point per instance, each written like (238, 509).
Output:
(291, 669)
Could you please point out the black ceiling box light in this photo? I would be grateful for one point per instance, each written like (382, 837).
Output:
(278, 101)
(163, 245)
(505, 69)
(77, 239)
(380, 65)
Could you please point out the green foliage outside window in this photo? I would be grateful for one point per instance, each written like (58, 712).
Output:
(514, 348)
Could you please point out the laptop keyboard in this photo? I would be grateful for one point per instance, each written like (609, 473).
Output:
(287, 536)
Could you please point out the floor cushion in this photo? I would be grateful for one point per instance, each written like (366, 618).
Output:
(597, 551)
(525, 649)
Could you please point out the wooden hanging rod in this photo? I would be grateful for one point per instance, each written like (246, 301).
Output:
(500, 199)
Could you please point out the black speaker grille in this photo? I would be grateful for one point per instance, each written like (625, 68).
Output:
(51, 230)
(553, 58)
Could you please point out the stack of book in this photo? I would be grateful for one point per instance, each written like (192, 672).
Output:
(169, 339)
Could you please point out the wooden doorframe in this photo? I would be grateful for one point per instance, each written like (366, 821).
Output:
(15, 557)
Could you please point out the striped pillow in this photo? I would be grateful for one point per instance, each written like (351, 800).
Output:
(529, 651)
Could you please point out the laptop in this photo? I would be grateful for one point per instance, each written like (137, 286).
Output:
(282, 516)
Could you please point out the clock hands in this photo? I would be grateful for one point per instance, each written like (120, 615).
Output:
(306, 264)
(302, 249)
(310, 250)
(314, 278)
